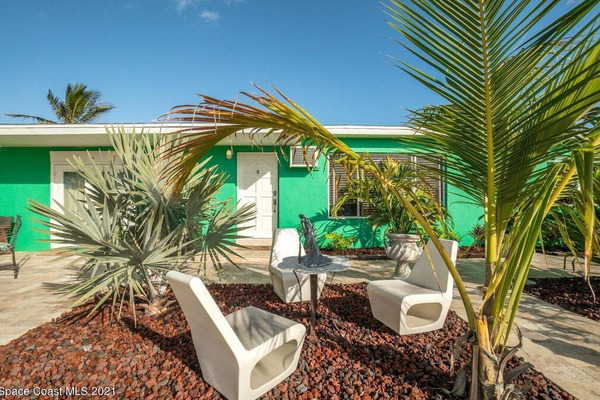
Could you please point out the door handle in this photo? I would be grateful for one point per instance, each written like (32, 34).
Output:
(274, 205)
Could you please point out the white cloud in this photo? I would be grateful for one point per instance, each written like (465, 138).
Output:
(210, 15)
(207, 15)
(181, 5)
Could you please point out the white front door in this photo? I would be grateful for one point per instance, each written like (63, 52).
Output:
(257, 185)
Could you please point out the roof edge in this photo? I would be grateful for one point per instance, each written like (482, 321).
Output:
(96, 129)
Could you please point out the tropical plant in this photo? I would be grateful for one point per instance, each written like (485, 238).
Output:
(128, 227)
(563, 227)
(79, 107)
(477, 233)
(384, 209)
(566, 225)
(518, 110)
(338, 242)
(515, 83)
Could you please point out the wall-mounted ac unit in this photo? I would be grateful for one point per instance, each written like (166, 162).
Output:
(300, 158)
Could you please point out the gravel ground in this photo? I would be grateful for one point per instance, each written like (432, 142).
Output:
(379, 252)
(573, 294)
(362, 253)
(356, 357)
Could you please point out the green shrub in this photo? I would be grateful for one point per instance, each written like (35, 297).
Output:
(339, 242)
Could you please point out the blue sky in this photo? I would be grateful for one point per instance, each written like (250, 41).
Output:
(146, 56)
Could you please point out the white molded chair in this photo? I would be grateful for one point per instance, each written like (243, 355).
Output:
(244, 354)
(421, 302)
(285, 244)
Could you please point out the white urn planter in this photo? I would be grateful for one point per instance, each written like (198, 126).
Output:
(404, 249)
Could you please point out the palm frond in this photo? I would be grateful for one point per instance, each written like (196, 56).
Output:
(132, 227)
(40, 120)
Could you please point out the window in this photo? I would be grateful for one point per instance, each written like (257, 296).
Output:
(338, 182)
(74, 184)
(65, 179)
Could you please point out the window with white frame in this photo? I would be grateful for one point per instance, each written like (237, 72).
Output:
(338, 183)
(64, 178)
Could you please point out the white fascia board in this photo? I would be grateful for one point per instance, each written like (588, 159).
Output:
(79, 135)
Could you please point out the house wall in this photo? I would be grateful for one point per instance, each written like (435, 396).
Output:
(304, 191)
(25, 173)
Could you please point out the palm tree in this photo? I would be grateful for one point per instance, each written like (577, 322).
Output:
(128, 228)
(515, 88)
(79, 107)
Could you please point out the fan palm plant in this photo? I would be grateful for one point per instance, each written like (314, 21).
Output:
(128, 227)
(515, 84)
(79, 107)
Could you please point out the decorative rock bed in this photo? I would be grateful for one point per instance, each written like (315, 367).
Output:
(356, 356)
(367, 253)
(379, 253)
(573, 294)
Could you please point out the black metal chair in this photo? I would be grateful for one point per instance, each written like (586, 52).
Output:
(8, 239)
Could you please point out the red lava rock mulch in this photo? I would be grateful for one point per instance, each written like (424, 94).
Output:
(379, 253)
(574, 294)
(360, 254)
(356, 357)
(471, 252)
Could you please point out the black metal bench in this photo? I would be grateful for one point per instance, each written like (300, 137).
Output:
(8, 239)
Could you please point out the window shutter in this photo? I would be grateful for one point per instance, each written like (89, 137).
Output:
(338, 182)
(433, 181)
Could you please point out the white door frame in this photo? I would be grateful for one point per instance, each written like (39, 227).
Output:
(59, 164)
(275, 210)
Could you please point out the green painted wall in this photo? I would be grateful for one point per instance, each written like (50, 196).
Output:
(25, 173)
(465, 213)
(217, 157)
(299, 190)
(304, 191)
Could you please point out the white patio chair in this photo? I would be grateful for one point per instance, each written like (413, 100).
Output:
(285, 284)
(244, 354)
(421, 302)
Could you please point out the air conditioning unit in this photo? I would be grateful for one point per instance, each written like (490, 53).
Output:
(300, 158)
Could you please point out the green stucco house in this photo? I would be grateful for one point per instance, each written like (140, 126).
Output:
(34, 164)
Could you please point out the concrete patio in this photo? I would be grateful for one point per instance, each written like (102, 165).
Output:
(563, 345)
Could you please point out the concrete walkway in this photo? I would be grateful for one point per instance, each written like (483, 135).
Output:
(29, 301)
(561, 344)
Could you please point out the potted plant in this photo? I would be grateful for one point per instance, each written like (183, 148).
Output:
(403, 235)
(402, 242)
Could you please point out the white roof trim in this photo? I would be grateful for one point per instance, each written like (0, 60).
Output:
(81, 129)
(369, 130)
(81, 135)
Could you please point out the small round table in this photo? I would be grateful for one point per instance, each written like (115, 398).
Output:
(337, 264)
